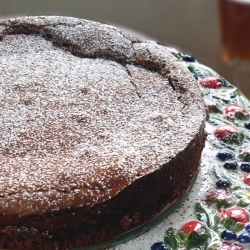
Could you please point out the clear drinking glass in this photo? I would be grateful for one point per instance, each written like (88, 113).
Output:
(235, 31)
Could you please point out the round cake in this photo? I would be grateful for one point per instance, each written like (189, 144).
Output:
(99, 132)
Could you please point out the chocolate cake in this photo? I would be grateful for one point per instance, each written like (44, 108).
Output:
(99, 132)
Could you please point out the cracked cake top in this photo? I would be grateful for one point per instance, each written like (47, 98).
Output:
(85, 110)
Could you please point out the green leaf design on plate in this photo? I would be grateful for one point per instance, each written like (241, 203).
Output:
(231, 175)
(200, 71)
(170, 239)
(198, 240)
(216, 109)
(244, 152)
(225, 83)
(224, 96)
(204, 214)
(195, 240)
(231, 224)
(241, 197)
(217, 120)
(178, 55)
(222, 145)
(224, 203)
(217, 224)
(242, 100)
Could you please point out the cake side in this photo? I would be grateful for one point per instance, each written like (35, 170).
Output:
(117, 83)
(132, 207)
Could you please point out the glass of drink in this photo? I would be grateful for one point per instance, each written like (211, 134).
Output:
(235, 31)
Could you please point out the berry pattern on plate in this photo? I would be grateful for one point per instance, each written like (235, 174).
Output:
(223, 215)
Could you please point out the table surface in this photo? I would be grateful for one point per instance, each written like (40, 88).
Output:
(191, 25)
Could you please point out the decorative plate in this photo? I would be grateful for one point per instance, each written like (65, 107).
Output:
(214, 214)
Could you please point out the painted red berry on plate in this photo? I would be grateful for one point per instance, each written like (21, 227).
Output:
(191, 226)
(220, 197)
(225, 132)
(246, 179)
(225, 246)
(232, 246)
(235, 218)
(237, 213)
(193, 234)
(211, 82)
(233, 111)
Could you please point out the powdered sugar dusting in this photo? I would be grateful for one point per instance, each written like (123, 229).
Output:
(81, 129)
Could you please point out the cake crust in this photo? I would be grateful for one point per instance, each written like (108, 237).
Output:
(91, 120)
